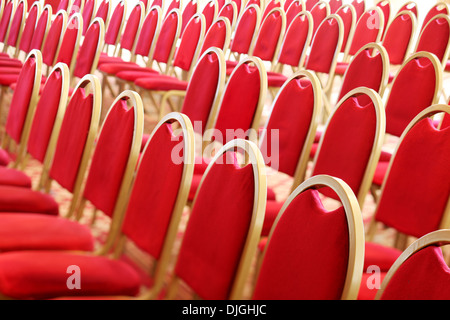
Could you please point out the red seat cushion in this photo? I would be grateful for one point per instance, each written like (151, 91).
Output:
(161, 83)
(45, 274)
(341, 68)
(5, 159)
(276, 80)
(29, 231)
(381, 256)
(447, 66)
(113, 67)
(14, 63)
(380, 173)
(12, 177)
(131, 75)
(7, 79)
(17, 199)
(366, 292)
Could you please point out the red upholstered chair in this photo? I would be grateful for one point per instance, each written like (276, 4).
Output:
(44, 128)
(245, 34)
(420, 272)
(310, 4)
(70, 158)
(89, 51)
(296, 42)
(360, 7)
(353, 134)
(369, 28)
(440, 7)
(54, 38)
(295, 7)
(114, 29)
(15, 27)
(89, 14)
(239, 112)
(174, 4)
(218, 35)
(292, 268)
(414, 199)
(159, 3)
(76, 7)
(233, 211)
(435, 38)
(229, 11)
(335, 5)
(184, 61)
(288, 135)
(349, 19)
(156, 239)
(270, 5)
(399, 37)
(21, 109)
(410, 6)
(258, 3)
(386, 8)
(8, 12)
(104, 11)
(141, 53)
(210, 12)
(62, 5)
(319, 12)
(190, 9)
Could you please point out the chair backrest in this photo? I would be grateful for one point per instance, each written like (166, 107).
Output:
(360, 7)
(76, 138)
(131, 29)
(246, 30)
(229, 11)
(416, 86)
(353, 134)
(439, 8)
(368, 29)
(331, 269)
(410, 6)
(435, 38)
(63, 5)
(70, 43)
(223, 234)
(294, 9)
(116, 24)
(115, 156)
(241, 104)
(190, 9)
(205, 89)
(385, 6)
(210, 12)
(272, 4)
(104, 11)
(153, 214)
(23, 103)
(368, 68)
(188, 50)
(42, 28)
(48, 115)
(23, 45)
(148, 33)
(399, 37)
(289, 132)
(319, 12)
(218, 35)
(310, 4)
(420, 273)
(54, 38)
(16, 26)
(348, 16)
(325, 48)
(8, 11)
(89, 52)
(415, 194)
(76, 7)
(167, 40)
(88, 14)
(270, 36)
(335, 5)
(174, 4)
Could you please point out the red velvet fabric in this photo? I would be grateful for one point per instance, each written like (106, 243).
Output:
(292, 11)
(347, 19)
(66, 51)
(245, 29)
(319, 13)
(130, 32)
(116, 67)
(44, 275)
(18, 109)
(416, 193)
(380, 172)
(161, 83)
(112, 32)
(201, 91)
(239, 102)
(188, 12)
(434, 11)
(271, 5)
(186, 49)
(208, 13)
(435, 38)
(147, 33)
(166, 38)
(28, 29)
(363, 71)
(15, 26)
(44, 117)
(5, 19)
(132, 75)
(37, 41)
(366, 292)
(424, 276)
(409, 7)
(13, 177)
(154, 192)
(307, 256)
(88, 13)
(379, 255)
(366, 31)
(30, 231)
(385, 7)
(19, 199)
(227, 11)
(294, 41)
(272, 209)
(323, 47)
(63, 4)
(86, 53)
(110, 158)
(71, 139)
(288, 126)
(276, 80)
(397, 38)
(412, 91)
(268, 36)
(215, 37)
(360, 7)
(102, 10)
(347, 144)
(217, 229)
(51, 42)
